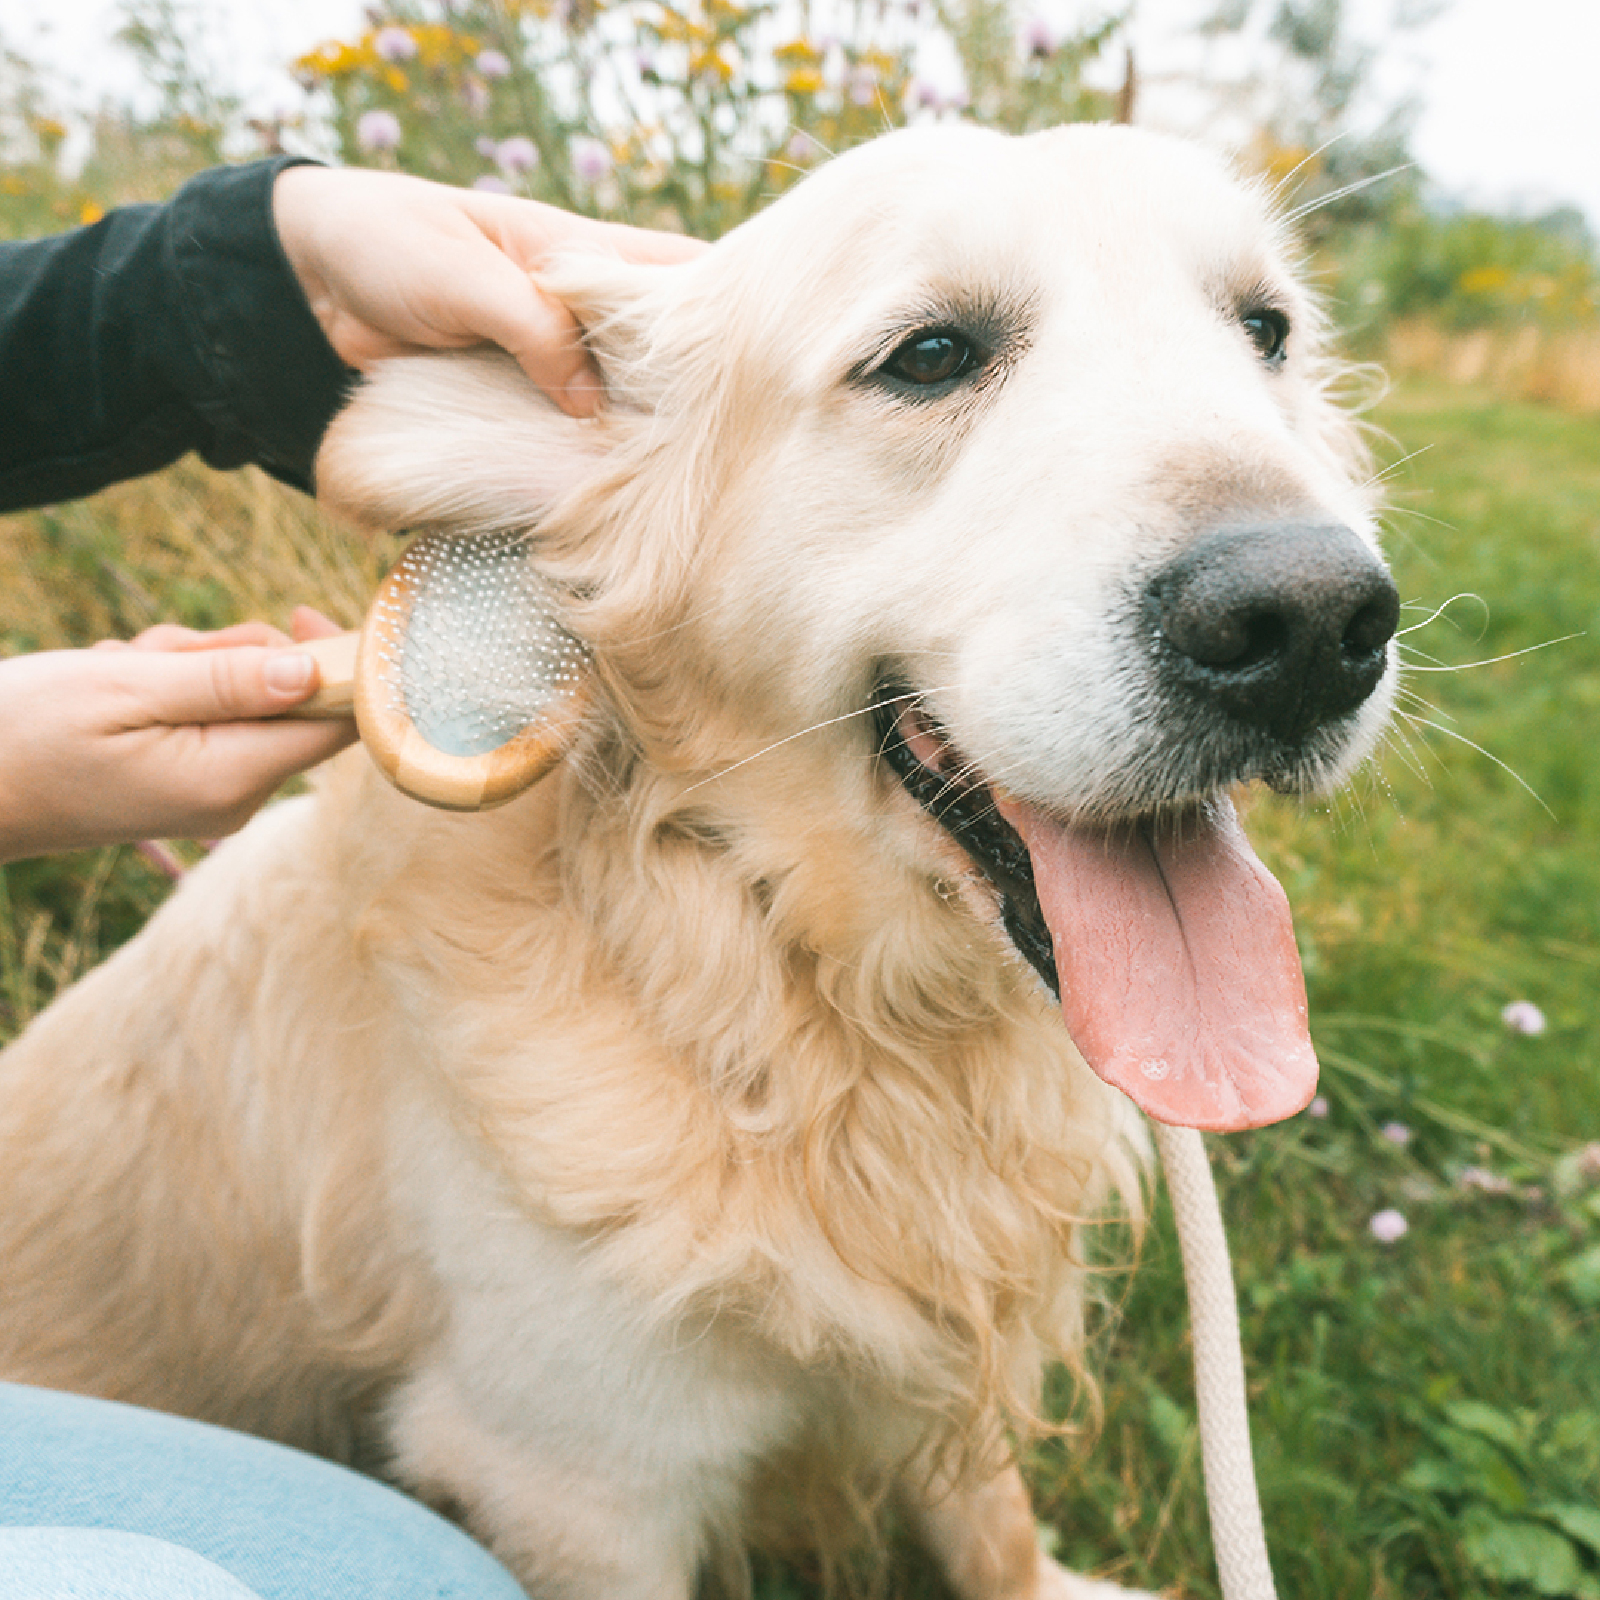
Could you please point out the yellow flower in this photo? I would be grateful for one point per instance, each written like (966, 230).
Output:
(332, 59)
(396, 79)
(710, 63)
(91, 211)
(1483, 280)
(803, 80)
(799, 52)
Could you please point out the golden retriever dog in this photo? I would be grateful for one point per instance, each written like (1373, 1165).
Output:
(694, 1147)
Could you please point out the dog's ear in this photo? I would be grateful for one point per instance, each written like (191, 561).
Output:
(463, 441)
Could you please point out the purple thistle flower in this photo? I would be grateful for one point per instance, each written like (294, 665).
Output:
(517, 155)
(493, 65)
(378, 130)
(1318, 1107)
(1038, 39)
(922, 94)
(486, 147)
(1396, 1133)
(591, 160)
(1388, 1226)
(394, 45)
(863, 86)
(490, 183)
(1523, 1016)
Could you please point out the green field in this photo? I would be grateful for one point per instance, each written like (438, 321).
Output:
(1427, 1411)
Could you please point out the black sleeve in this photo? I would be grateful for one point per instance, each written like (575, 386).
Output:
(156, 331)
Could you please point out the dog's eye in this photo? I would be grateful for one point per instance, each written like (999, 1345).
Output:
(1269, 332)
(933, 357)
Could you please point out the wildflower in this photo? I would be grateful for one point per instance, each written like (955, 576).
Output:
(517, 155)
(922, 94)
(1038, 39)
(863, 86)
(591, 161)
(493, 65)
(394, 45)
(490, 184)
(1396, 1133)
(487, 147)
(1318, 1107)
(1523, 1016)
(378, 130)
(801, 148)
(1482, 1179)
(1388, 1226)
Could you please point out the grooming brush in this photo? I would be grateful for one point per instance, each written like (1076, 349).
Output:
(464, 683)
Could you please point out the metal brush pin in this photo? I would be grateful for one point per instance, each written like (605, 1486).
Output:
(465, 684)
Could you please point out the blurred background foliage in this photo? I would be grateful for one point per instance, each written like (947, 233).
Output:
(689, 114)
(1427, 1403)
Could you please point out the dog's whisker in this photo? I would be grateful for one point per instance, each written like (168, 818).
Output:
(1394, 509)
(1311, 207)
(1281, 185)
(1489, 661)
(1440, 610)
(778, 744)
(1394, 466)
(1510, 771)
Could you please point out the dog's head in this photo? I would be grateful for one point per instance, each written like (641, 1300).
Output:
(1013, 459)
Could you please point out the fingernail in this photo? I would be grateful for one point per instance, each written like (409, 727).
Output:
(291, 672)
(583, 393)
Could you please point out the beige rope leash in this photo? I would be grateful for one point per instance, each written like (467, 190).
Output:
(1236, 1530)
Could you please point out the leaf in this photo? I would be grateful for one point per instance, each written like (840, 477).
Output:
(1577, 1522)
(1474, 1417)
(1172, 1424)
(1582, 1277)
(1487, 1471)
(1521, 1552)
(1432, 1476)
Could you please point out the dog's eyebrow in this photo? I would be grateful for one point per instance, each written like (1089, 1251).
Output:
(1001, 319)
(1253, 290)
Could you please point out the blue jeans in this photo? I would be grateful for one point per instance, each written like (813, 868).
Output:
(100, 1501)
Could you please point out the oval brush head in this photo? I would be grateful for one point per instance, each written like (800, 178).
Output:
(467, 688)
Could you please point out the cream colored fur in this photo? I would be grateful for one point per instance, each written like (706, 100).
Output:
(685, 1132)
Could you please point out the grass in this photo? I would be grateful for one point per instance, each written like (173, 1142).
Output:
(1427, 1412)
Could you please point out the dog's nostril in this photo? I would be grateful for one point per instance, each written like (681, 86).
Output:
(1225, 638)
(1372, 627)
(1282, 627)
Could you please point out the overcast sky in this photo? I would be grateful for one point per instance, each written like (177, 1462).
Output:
(1510, 89)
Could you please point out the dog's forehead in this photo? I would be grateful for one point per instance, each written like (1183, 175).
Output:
(924, 212)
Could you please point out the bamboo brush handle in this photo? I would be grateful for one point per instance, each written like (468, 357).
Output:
(336, 661)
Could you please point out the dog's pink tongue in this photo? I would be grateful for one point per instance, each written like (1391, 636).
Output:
(1180, 981)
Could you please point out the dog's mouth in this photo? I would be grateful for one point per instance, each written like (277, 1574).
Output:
(1166, 940)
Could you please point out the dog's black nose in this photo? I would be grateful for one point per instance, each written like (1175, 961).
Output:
(1282, 626)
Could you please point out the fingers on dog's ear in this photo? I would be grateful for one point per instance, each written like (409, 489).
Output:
(459, 440)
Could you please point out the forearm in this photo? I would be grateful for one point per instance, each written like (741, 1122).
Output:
(157, 331)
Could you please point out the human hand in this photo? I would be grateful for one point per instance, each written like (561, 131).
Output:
(159, 737)
(392, 264)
